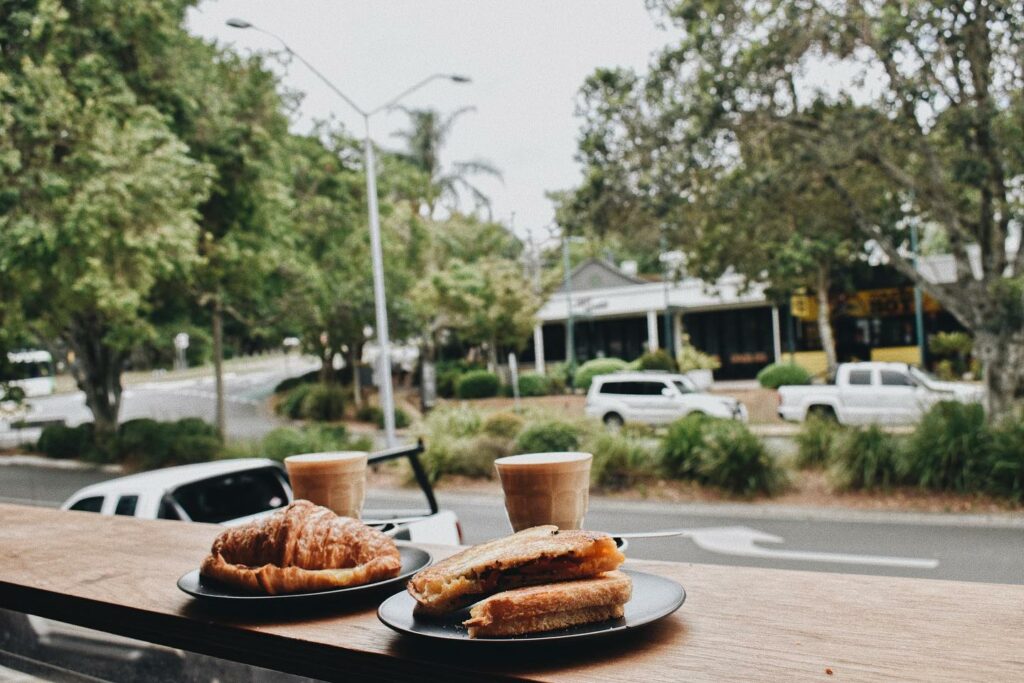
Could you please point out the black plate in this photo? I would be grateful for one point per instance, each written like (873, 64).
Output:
(413, 560)
(654, 597)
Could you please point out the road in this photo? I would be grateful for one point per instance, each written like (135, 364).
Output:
(960, 547)
(246, 391)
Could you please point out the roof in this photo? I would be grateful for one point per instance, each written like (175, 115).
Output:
(173, 477)
(639, 375)
(597, 273)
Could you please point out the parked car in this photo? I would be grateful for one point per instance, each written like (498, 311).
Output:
(875, 392)
(654, 398)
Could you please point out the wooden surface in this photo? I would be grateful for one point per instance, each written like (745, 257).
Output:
(118, 574)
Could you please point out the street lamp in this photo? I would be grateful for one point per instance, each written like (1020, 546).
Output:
(387, 399)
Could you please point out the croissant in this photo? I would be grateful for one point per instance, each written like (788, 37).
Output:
(301, 547)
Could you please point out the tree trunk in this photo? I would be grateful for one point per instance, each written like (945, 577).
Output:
(97, 372)
(355, 355)
(1002, 357)
(326, 363)
(828, 340)
(428, 372)
(492, 356)
(218, 365)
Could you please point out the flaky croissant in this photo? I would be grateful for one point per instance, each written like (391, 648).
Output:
(302, 547)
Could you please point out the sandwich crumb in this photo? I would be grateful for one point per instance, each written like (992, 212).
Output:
(828, 671)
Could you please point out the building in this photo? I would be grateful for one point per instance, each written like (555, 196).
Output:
(618, 314)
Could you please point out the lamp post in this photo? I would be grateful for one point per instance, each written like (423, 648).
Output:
(380, 305)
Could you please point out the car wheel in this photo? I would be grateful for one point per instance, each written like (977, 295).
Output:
(822, 413)
(613, 421)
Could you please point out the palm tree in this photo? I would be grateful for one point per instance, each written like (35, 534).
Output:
(424, 139)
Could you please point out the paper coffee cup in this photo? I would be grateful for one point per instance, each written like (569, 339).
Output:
(545, 488)
(336, 480)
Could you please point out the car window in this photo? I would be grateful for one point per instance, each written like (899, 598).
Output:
(167, 510)
(683, 387)
(90, 504)
(651, 388)
(859, 377)
(895, 378)
(126, 506)
(614, 388)
(230, 496)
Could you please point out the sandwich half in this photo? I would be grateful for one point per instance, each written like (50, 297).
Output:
(534, 556)
(550, 607)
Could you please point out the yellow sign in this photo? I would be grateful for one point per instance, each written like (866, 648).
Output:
(803, 307)
(868, 303)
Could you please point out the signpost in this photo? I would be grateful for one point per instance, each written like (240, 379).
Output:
(513, 371)
(180, 346)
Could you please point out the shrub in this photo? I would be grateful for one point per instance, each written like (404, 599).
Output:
(148, 444)
(658, 360)
(285, 441)
(780, 374)
(620, 461)
(592, 368)
(815, 442)
(477, 384)
(290, 404)
(324, 403)
(505, 425)
(290, 383)
(452, 421)
(548, 436)
(1006, 461)
(949, 449)
(721, 453)
(370, 413)
(866, 459)
(62, 442)
(467, 456)
(448, 373)
(560, 376)
(532, 384)
(680, 449)
(692, 358)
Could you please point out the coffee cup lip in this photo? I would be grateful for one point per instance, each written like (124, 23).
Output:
(328, 456)
(549, 458)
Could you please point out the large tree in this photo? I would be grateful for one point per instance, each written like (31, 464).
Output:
(99, 195)
(918, 104)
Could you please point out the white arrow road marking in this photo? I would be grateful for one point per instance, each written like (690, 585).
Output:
(741, 540)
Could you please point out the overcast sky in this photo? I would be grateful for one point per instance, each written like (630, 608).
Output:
(527, 59)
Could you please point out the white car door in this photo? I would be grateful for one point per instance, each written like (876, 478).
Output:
(858, 396)
(658, 400)
(898, 401)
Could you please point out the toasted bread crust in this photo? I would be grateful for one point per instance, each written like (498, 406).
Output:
(610, 588)
(546, 622)
(533, 556)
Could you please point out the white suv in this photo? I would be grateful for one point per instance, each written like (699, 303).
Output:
(654, 398)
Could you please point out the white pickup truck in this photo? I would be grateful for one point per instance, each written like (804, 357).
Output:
(882, 393)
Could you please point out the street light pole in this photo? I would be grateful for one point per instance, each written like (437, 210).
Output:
(379, 296)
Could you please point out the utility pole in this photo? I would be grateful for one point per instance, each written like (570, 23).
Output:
(918, 307)
(570, 335)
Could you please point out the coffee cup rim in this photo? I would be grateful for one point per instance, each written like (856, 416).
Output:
(533, 459)
(328, 456)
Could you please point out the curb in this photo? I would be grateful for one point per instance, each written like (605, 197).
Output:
(48, 463)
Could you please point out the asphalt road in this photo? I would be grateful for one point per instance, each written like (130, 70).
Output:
(927, 546)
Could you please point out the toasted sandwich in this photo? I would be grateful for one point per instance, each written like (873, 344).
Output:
(550, 607)
(534, 556)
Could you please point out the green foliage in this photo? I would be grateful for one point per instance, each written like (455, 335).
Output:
(452, 421)
(1006, 461)
(592, 368)
(285, 441)
(533, 384)
(448, 374)
(620, 461)
(866, 459)
(948, 450)
(147, 444)
(290, 405)
(477, 384)
(692, 358)
(286, 385)
(950, 344)
(560, 375)
(504, 425)
(63, 443)
(815, 442)
(721, 453)
(466, 456)
(402, 418)
(548, 436)
(658, 360)
(782, 374)
(322, 402)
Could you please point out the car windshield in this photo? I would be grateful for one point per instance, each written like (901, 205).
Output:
(684, 385)
(923, 376)
(231, 496)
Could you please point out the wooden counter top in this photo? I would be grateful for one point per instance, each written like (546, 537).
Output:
(118, 574)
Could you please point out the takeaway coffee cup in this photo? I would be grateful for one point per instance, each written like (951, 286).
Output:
(336, 480)
(545, 488)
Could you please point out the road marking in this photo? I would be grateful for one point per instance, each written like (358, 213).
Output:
(741, 541)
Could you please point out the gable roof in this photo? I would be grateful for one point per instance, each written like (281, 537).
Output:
(597, 273)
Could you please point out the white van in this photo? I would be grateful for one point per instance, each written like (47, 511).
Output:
(654, 398)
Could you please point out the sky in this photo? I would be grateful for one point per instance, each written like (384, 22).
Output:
(527, 59)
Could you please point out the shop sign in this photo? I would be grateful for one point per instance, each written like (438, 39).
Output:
(868, 303)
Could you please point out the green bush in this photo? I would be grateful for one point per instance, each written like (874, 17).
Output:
(504, 425)
(592, 368)
(620, 461)
(815, 442)
(477, 384)
(61, 442)
(548, 436)
(147, 444)
(290, 383)
(448, 373)
(781, 374)
(402, 419)
(452, 421)
(370, 413)
(949, 449)
(721, 453)
(1006, 461)
(866, 459)
(472, 456)
(680, 449)
(560, 375)
(532, 384)
(290, 404)
(658, 360)
(692, 358)
(324, 403)
(285, 441)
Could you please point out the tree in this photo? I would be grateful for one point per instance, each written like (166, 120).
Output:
(427, 134)
(937, 137)
(99, 195)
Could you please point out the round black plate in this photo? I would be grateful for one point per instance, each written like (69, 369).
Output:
(654, 597)
(413, 560)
